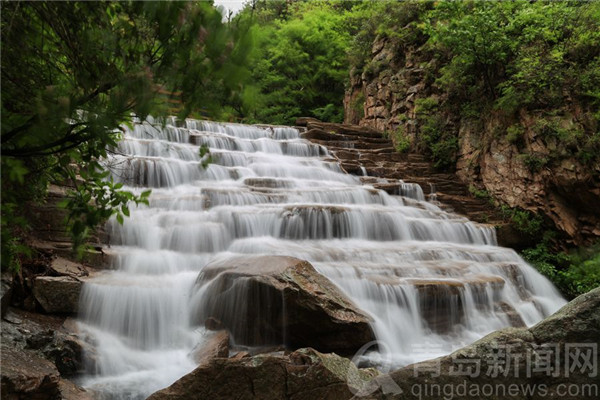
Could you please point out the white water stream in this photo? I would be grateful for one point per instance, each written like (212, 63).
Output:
(432, 281)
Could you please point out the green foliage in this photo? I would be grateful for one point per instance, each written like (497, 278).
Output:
(358, 103)
(534, 162)
(374, 68)
(573, 273)
(330, 112)
(426, 105)
(470, 110)
(475, 32)
(480, 193)
(495, 58)
(434, 138)
(300, 65)
(401, 141)
(523, 220)
(514, 133)
(73, 72)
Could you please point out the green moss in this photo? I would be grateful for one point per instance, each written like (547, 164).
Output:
(426, 105)
(514, 133)
(358, 103)
(534, 162)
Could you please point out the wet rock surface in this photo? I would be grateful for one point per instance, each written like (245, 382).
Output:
(38, 353)
(302, 375)
(54, 338)
(215, 346)
(27, 376)
(265, 300)
(57, 294)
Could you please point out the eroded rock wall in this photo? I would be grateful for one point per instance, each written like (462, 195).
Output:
(514, 171)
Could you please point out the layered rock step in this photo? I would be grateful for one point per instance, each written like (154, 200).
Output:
(363, 150)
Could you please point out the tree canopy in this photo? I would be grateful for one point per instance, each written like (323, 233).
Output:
(73, 72)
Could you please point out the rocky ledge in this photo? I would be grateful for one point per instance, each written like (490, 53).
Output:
(40, 353)
(304, 374)
(361, 149)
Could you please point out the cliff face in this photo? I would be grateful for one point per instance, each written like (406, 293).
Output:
(522, 167)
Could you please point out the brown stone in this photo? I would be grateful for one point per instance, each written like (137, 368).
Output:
(28, 377)
(304, 374)
(70, 391)
(215, 346)
(57, 294)
(303, 121)
(240, 354)
(270, 300)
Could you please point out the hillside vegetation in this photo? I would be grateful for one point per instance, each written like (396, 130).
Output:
(460, 82)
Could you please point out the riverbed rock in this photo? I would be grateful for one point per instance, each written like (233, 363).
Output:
(303, 121)
(266, 300)
(64, 350)
(70, 391)
(215, 346)
(57, 294)
(51, 337)
(304, 374)
(27, 376)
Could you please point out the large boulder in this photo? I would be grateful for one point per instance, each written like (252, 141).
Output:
(577, 322)
(57, 294)
(304, 374)
(266, 300)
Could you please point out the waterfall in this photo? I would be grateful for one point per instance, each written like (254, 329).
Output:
(431, 281)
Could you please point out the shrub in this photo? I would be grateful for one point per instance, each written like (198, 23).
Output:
(523, 220)
(480, 193)
(573, 273)
(534, 162)
(402, 142)
(514, 133)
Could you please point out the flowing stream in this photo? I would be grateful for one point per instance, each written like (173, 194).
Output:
(431, 281)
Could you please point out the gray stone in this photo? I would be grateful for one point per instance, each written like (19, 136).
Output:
(57, 294)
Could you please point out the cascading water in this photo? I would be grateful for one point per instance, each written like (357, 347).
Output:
(430, 280)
